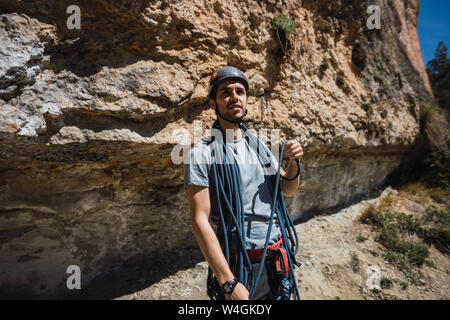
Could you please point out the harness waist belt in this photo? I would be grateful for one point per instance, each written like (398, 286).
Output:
(273, 250)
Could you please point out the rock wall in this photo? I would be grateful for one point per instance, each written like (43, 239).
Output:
(89, 117)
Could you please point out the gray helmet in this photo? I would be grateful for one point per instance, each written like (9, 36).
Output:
(226, 73)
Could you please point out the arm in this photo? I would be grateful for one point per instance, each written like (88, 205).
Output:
(289, 187)
(200, 206)
(295, 151)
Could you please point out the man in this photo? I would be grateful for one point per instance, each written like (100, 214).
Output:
(228, 94)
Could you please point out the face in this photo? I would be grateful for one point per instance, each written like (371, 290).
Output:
(231, 99)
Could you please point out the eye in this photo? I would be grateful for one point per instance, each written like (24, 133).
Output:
(225, 93)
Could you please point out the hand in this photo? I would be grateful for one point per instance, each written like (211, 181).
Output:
(239, 293)
(294, 150)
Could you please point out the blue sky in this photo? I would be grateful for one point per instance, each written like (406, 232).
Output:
(433, 26)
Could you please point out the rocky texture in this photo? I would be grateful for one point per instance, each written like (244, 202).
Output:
(89, 117)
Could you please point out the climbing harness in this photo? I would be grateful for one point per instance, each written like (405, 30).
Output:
(231, 222)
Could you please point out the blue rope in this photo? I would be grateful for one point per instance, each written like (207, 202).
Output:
(228, 189)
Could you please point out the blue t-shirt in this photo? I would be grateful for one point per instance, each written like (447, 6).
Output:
(256, 183)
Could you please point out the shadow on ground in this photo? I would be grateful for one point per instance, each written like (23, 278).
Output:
(357, 198)
(136, 274)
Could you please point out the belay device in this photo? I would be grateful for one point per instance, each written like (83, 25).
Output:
(228, 191)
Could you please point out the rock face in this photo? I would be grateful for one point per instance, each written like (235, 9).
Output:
(89, 117)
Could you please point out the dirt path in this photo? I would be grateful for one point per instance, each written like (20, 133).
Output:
(327, 244)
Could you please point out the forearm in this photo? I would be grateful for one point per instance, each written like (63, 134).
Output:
(290, 187)
(211, 250)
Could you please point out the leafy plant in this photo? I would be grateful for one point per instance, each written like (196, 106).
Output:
(404, 285)
(283, 23)
(394, 231)
(283, 26)
(323, 66)
(354, 262)
(427, 109)
(386, 283)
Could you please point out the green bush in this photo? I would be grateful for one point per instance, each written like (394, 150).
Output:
(283, 23)
(427, 109)
(386, 283)
(354, 262)
(391, 228)
(433, 228)
(438, 169)
(284, 27)
(404, 285)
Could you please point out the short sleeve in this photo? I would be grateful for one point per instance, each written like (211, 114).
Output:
(196, 167)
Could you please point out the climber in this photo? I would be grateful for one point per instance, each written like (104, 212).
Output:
(238, 196)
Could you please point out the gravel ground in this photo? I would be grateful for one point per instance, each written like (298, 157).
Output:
(327, 244)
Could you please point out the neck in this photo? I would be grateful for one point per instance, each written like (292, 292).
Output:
(231, 129)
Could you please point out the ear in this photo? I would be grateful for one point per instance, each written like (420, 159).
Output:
(212, 104)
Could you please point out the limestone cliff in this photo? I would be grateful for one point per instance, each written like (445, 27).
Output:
(89, 117)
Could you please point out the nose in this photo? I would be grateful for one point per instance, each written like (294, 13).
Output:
(234, 95)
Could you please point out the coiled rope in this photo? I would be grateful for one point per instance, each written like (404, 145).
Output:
(229, 199)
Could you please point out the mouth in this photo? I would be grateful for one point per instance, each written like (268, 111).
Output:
(234, 106)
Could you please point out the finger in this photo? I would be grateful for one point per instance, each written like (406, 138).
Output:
(294, 151)
(290, 143)
(297, 155)
(296, 148)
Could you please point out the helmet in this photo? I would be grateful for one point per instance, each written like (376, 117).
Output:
(226, 73)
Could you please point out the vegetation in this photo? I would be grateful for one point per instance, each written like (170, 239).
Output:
(284, 27)
(427, 110)
(423, 190)
(438, 70)
(435, 122)
(354, 262)
(434, 167)
(404, 285)
(438, 170)
(360, 238)
(386, 283)
(430, 164)
(283, 23)
(405, 237)
(324, 65)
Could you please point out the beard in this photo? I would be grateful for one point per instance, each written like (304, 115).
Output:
(232, 116)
